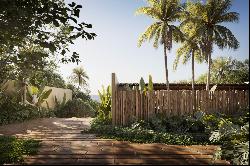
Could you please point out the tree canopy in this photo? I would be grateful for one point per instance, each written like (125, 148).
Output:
(50, 24)
(227, 71)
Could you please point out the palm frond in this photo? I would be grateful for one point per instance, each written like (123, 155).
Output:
(148, 34)
(149, 11)
(157, 37)
(225, 38)
(229, 17)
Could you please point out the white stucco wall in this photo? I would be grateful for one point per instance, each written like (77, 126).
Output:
(59, 93)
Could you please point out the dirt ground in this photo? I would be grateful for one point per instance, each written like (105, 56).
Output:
(46, 125)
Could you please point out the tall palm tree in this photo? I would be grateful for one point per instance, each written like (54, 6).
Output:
(165, 13)
(79, 76)
(211, 16)
(190, 48)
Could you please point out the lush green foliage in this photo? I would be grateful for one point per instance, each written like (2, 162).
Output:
(233, 134)
(227, 71)
(78, 94)
(229, 131)
(49, 24)
(47, 77)
(12, 149)
(12, 111)
(74, 108)
(142, 132)
(104, 109)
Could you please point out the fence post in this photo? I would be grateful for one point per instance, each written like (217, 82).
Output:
(114, 83)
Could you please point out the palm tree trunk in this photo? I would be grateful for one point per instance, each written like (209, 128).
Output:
(166, 65)
(24, 83)
(79, 81)
(209, 70)
(193, 91)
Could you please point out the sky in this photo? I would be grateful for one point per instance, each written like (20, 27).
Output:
(115, 49)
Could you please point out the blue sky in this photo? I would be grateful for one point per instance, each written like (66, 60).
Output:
(115, 47)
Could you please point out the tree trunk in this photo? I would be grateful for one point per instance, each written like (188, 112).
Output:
(193, 90)
(166, 65)
(208, 73)
(24, 90)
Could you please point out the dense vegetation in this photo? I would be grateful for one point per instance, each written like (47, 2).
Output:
(13, 149)
(34, 38)
(230, 132)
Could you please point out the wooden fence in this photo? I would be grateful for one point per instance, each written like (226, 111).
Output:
(130, 105)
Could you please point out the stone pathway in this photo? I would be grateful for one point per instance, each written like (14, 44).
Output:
(63, 143)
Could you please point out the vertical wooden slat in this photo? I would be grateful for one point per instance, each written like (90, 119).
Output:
(168, 103)
(197, 100)
(181, 103)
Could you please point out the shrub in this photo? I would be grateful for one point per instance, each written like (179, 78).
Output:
(234, 141)
(12, 111)
(139, 132)
(13, 149)
(104, 109)
(75, 108)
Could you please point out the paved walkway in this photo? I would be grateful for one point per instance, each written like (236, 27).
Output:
(63, 143)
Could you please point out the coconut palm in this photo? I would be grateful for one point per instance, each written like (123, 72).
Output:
(210, 18)
(190, 48)
(79, 76)
(165, 13)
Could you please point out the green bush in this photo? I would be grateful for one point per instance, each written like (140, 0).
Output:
(74, 108)
(12, 111)
(140, 132)
(233, 135)
(12, 149)
(104, 116)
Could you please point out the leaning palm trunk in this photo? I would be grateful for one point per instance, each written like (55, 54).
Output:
(193, 90)
(166, 64)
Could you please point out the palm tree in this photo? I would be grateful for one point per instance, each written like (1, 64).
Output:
(165, 13)
(189, 49)
(210, 17)
(79, 76)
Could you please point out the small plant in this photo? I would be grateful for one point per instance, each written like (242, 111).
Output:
(12, 149)
(143, 87)
(104, 110)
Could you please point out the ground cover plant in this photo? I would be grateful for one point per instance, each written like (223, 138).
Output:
(229, 132)
(13, 111)
(13, 149)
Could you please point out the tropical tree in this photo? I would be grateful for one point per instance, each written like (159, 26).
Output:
(79, 76)
(210, 17)
(165, 13)
(227, 71)
(190, 48)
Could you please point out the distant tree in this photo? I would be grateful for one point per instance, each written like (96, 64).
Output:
(227, 71)
(165, 13)
(79, 76)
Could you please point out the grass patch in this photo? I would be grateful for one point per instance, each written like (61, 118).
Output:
(13, 149)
